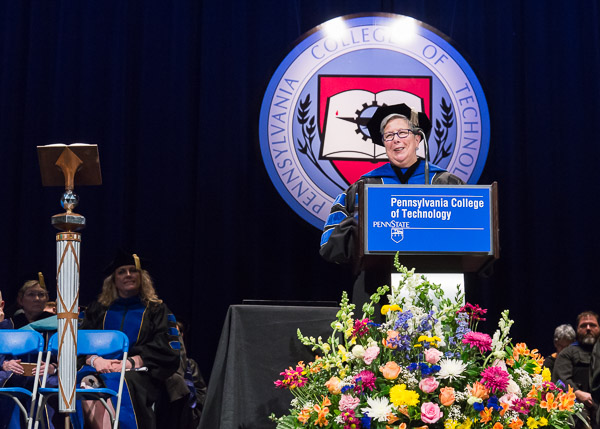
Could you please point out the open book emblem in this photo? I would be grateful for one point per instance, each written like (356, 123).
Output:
(346, 103)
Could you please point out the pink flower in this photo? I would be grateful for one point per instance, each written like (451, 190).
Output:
(433, 355)
(348, 403)
(370, 354)
(430, 412)
(364, 380)
(495, 379)
(476, 339)
(428, 385)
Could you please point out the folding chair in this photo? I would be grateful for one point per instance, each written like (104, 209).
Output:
(19, 343)
(104, 343)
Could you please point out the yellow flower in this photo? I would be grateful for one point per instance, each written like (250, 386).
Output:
(543, 421)
(532, 423)
(387, 308)
(466, 424)
(450, 424)
(400, 396)
(546, 374)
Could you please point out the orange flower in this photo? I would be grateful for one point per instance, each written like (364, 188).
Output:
(390, 371)
(486, 415)
(403, 409)
(549, 403)
(497, 425)
(391, 335)
(447, 396)
(304, 416)
(520, 350)
(334, 385)
(515, 423)
(566, 400)
(322, 411)
(505, 406)
(479, 390)
(392, 418)
(533, 393)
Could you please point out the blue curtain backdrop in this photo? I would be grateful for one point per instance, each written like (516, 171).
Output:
(171, 90)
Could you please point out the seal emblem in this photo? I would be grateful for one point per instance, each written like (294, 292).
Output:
(313, 136)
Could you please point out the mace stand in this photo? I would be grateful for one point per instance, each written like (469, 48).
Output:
(61, 165)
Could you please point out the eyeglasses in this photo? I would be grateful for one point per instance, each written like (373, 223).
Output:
(402, 134)
(40, 295)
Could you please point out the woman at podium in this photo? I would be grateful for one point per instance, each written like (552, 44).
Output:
(400, 130)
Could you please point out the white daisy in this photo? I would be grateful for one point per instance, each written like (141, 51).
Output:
(451, 368)
(378, 409)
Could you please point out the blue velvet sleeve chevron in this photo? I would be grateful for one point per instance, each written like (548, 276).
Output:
(337, 240)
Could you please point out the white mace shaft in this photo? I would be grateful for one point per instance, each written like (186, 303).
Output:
(67, 277)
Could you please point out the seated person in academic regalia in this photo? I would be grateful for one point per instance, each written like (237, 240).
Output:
(32, 298)
(129, 303)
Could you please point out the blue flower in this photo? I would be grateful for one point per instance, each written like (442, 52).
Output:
(478, 406)
(346, 388)
(366, 421)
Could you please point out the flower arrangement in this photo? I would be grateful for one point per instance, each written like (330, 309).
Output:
(424, 366)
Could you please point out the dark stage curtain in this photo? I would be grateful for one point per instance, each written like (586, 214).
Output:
(171, 91)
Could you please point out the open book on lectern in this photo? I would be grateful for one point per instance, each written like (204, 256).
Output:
(446, 228)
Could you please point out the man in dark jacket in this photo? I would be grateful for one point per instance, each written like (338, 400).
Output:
(572, 365)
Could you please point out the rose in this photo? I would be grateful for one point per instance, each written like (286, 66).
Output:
(334, 384)
(447, 396)
(370, 354)
(433, 355)
(428, 384)
(358, 351)
(430, 412)
(390, 371)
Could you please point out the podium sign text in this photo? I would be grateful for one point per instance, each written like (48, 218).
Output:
(419, 219)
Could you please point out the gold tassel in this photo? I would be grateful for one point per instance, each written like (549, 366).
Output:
(41, 280)
(138, 265)
(414, 117)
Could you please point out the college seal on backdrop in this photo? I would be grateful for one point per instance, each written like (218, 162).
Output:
(313, 135)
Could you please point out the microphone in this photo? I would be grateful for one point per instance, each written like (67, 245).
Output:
(426, 147)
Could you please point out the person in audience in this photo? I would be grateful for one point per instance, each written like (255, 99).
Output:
(12, 373)
(32, 299)
(564, 335)
(129, 303)
(4, 322)
(573, 364)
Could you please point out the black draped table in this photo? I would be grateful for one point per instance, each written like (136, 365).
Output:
(257, 343)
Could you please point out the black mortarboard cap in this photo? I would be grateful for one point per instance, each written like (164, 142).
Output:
(419, 119)
(122, 258)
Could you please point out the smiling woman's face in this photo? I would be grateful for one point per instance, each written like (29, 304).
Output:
(127, 281)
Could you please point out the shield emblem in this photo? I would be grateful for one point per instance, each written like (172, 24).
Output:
(397, 235)
(346, 103)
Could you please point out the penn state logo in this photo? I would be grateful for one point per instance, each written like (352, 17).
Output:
(313, 135)
(397, 234)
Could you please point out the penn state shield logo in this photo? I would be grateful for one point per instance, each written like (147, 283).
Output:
(397, 234)
(312, 130)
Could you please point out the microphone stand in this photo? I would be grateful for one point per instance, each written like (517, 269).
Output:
(426, 147)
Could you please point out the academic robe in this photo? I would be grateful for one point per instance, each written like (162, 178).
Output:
(339, 233)
(153, 336)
